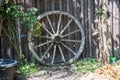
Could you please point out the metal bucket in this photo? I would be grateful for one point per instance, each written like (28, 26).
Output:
(7, 69)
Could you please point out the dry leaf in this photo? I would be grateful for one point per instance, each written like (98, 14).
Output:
(107, 72)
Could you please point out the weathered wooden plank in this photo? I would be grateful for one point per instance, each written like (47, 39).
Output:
(119, 21)
(53, 4)
(83, 10)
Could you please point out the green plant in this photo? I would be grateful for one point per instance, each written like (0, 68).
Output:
(11, 11)
(11, 15)
(118, 62)
(103, 31)
(31, 20)
(26, 69)
(87, 65)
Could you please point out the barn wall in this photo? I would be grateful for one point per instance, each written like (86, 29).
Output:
(83, 10)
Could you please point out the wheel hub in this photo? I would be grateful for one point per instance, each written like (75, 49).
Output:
(57, 39)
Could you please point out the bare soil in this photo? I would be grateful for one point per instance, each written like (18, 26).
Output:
(66, 72)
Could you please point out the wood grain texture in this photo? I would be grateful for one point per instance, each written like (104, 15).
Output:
(83, 11)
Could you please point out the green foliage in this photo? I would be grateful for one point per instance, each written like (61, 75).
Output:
(87, 65)
(30, 19)
(37, 30)
(26, 69)
(117, 62)
(100, 12)
(9, 10)
(9, 13)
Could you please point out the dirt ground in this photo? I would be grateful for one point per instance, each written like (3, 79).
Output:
(67, 72)
(107, 72)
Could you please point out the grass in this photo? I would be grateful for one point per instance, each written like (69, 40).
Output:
(87, 65)
(118, 62)
(27, 69)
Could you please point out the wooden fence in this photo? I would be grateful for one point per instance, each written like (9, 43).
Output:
(83, 10)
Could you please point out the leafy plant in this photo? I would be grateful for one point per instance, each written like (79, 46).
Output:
(103, 31)
(31, 20)
(11, 13)
(26, 69)
(87, 65)
(118, 62)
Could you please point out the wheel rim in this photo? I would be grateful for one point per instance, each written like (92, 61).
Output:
(58, 41)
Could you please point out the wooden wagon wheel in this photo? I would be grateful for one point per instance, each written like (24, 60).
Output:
(61, 41)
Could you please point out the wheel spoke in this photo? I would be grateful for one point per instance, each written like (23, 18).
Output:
(58, 26)
(68, 48)
(47, 51)
(43, 44)
(66, 26)
(47, 37)
(50, 24)
(67, 40)
(44, 26)
(56, 39)
(70, 33)
(53, 54)
(61, 52)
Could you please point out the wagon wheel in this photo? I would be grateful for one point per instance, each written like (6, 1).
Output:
(61, 41)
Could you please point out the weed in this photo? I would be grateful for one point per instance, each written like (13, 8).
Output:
(27, 69)
(87, 65)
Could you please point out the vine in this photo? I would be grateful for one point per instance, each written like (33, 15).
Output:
(11, 13)
(103, 31)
